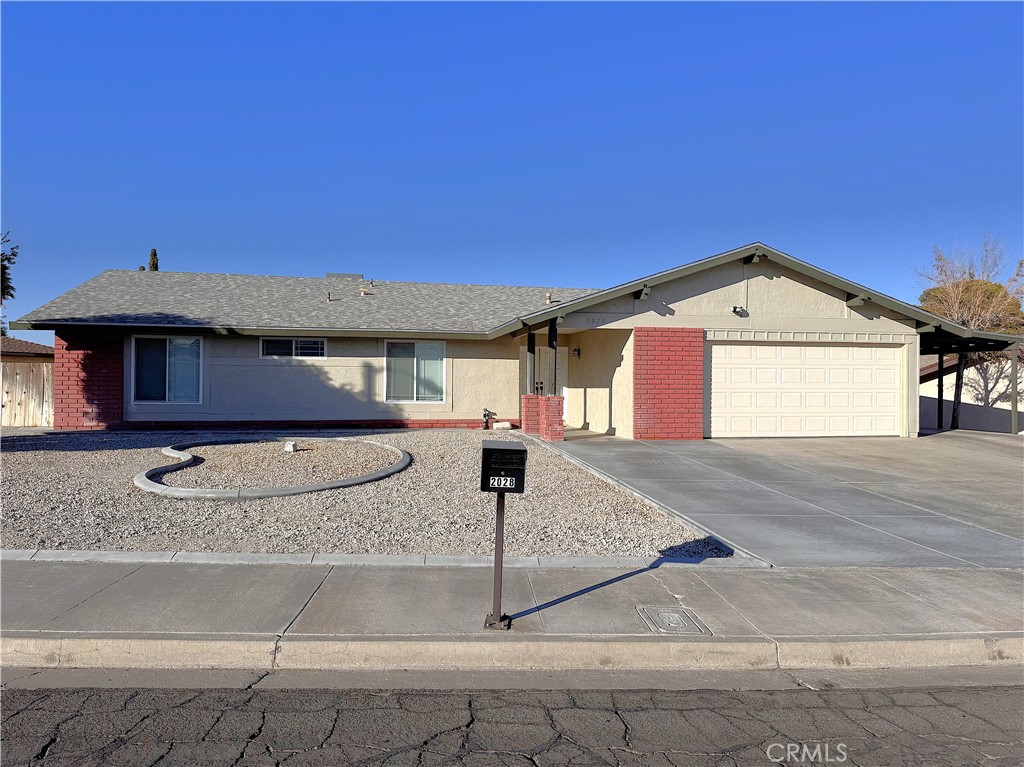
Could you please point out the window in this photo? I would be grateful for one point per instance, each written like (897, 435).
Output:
(167, 369)
(292, 347)
(414, 372)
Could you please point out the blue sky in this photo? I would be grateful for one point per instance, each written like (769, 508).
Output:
(565, 144)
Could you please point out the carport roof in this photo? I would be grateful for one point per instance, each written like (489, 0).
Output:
(937, 334)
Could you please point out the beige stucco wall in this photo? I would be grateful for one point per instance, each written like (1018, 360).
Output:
(599, 395)
(774, 297)
(347, 384)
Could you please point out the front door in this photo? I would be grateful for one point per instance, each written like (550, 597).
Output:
(544, 384)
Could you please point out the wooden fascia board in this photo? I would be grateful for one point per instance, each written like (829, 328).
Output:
(255, 332)
(762, 251)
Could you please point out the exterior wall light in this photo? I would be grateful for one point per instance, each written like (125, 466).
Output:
(576, 352)
(739, 311)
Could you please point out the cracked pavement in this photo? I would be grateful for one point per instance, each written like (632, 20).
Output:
(938, 726)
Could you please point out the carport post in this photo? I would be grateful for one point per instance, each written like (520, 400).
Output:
(1014, 393)
(938, 404)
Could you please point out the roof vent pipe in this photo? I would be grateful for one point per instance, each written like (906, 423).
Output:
(549, 299)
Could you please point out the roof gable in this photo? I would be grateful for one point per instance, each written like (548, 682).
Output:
(854, 294)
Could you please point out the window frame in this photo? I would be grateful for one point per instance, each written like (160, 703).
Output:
(167, 372)
(293, 355)
(444, 373)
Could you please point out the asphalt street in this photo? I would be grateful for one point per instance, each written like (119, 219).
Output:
(936, 726)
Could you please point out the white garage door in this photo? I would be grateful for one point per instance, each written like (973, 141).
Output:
(804, 391)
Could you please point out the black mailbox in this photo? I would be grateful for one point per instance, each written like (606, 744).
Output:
(504, 467)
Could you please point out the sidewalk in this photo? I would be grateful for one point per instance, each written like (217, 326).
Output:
(373, 617)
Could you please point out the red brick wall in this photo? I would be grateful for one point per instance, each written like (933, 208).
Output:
(542, 415)
(668, 383)
(531, 413)
(88, 382)
(552, 427)
(393, 423)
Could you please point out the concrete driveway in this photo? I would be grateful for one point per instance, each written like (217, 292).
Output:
(954, 499)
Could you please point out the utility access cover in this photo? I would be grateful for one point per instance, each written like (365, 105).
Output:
(672, 620)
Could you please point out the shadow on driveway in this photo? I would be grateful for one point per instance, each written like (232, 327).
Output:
(947, 501)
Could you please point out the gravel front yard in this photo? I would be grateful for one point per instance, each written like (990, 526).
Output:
(265, 464)
(75, 491)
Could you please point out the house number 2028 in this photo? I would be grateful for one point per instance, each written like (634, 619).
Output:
(502, 482)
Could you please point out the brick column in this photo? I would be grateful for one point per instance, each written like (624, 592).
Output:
(531, 413)
(668, 383)
(88, 382)
(552, 428)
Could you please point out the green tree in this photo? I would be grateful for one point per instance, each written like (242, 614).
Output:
(7, 259)
(154, 262)
(972, 290)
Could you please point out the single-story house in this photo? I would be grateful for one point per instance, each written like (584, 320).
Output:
(748, 343)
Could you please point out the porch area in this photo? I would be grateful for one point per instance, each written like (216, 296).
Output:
(577, 384)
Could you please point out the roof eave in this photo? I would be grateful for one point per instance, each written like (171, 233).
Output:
(617, 291)
(58, 325)
(924, 318)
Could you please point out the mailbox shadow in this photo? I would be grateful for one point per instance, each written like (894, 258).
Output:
(667, 555)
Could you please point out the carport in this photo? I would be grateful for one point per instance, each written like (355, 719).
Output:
(949, 500)
(945, 339)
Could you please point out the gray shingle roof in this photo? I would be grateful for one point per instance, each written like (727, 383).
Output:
(191, 299)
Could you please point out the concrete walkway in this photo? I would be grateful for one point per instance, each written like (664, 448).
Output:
(950, 500)
(186, 615)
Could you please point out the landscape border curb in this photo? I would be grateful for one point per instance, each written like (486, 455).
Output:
(144, 480)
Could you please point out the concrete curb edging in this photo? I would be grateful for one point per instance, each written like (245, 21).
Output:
(271, 652)
(144, 480)
(361, 560)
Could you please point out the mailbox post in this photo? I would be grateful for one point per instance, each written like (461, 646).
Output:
(503, 471)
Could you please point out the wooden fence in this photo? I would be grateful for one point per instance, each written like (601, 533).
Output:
(27, 393)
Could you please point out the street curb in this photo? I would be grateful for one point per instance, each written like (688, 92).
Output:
(143, 480)
(498, 652)
(979, 650)
(363, 560)
(176, 652)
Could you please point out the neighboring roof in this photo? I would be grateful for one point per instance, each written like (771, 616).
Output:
(255, 302)
(238, 302)
(15, 347)
(930, 366)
